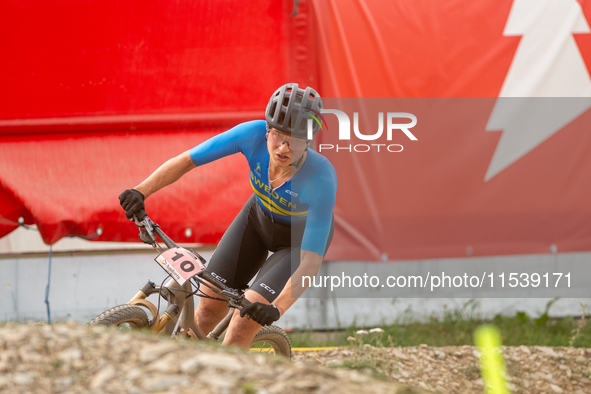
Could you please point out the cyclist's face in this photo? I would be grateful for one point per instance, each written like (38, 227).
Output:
(284, 148)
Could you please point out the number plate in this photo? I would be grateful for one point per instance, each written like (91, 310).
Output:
(180, 263)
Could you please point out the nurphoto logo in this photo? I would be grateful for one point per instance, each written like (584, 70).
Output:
(345, 130)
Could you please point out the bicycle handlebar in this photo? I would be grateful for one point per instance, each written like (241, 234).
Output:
(210, 278)
(167, 241)
(141, 215)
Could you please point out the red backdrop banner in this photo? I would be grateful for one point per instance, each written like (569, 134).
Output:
(96, 95)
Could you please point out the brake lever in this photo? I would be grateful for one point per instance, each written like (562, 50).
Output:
(138, 223)
(234, 300)
(145, 227)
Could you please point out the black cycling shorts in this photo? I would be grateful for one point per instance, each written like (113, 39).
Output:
(244, 250)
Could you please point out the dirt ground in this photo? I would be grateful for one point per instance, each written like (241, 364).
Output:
(454, 369)
(73, 358)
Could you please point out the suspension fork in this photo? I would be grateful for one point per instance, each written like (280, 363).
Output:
(140, 299)
(178, 303)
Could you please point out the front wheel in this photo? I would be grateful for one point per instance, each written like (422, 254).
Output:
(271, 339)
(123, 316)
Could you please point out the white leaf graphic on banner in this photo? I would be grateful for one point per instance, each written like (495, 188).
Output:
(547, 63)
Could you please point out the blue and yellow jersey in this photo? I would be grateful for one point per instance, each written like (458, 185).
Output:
(309, 196)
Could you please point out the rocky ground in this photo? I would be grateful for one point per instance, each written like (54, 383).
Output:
(532, 370)
(71, 358)
(92, 359)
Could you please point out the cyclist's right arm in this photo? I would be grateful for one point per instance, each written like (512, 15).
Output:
(241, 138)
(167, 173)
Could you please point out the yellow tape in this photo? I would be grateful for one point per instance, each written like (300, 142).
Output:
(492, 362)
(314, 349)
(303, 349)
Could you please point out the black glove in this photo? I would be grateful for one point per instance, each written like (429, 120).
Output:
(264, 314)
(132, 201)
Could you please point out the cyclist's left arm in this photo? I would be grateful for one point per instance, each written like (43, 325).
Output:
(318, 224)
(294, 288)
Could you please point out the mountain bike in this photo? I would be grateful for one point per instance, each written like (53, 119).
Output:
(186, 276)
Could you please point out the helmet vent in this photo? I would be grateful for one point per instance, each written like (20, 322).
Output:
(287, 109)
(273, 107)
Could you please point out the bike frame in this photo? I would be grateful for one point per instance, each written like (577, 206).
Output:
(180, 298)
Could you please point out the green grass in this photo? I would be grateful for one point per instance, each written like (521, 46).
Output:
(456, 327)
(318, 339)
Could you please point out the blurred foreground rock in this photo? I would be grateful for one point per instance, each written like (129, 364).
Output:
(75, 358)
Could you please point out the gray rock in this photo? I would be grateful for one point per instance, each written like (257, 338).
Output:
(152, 352)
(102, 377)
(159, 383)
(547, 351)
(167, 364)
(440, 354)
(70, 355)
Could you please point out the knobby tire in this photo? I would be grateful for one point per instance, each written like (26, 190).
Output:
(275, 337)
(133, 315)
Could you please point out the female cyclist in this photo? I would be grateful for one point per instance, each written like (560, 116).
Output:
(290, 212)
